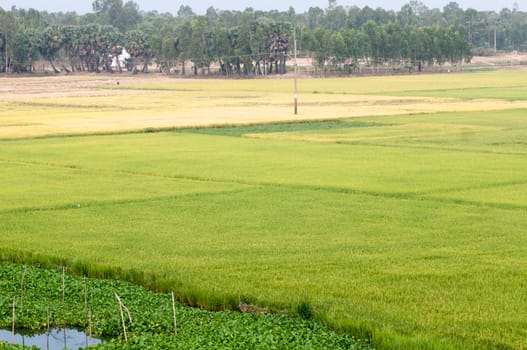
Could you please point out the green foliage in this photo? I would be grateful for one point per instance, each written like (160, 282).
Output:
(243, 43)
(136, 44)
(152, 323)
(87, 47)
(113, 12)
(252, 42)
(305, 310)
(25, 53)
(50, 43)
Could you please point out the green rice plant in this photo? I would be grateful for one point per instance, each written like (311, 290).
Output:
(357, 257)
(406, 230)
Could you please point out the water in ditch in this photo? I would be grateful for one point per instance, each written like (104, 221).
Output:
(58, 339)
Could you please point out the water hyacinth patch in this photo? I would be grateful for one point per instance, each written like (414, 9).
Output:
(152, 323)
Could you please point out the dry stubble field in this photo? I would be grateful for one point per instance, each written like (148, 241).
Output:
(73, 105)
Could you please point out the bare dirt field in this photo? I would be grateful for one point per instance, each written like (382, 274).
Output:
(513, 60)
(78, 85)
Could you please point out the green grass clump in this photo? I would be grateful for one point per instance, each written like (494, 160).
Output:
(279, 127)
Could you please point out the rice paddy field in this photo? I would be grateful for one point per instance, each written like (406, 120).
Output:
(393, 208)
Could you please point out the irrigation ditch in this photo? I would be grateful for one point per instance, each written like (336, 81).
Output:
(55, 338)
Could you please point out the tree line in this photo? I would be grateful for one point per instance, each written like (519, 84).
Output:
(252, 42)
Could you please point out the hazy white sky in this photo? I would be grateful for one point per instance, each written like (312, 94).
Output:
(200, 6)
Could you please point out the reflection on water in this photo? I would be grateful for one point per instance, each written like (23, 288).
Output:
(58, 339)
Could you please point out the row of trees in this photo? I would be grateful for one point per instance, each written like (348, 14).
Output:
(389, 44)
(252, 42)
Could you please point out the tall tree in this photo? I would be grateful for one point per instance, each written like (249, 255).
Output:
(50, 43)
(8, 28)
(113, 12)
(201, 41)
(25, 52)
(453, 14)
(184, 38)
(136, 44)
(322, 48)
(315, 16)
(185, 11)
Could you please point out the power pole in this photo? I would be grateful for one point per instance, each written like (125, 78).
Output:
(5, 49)
(296, 70)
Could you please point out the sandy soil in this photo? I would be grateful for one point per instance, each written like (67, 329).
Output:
(58, 86)
(513, 60)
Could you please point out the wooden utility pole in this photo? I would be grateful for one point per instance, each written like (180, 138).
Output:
(5, 49)
(296, 72)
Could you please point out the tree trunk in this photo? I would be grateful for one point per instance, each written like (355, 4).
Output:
(53, 66)
(65, 68)
(145, 66)
(108, 64)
